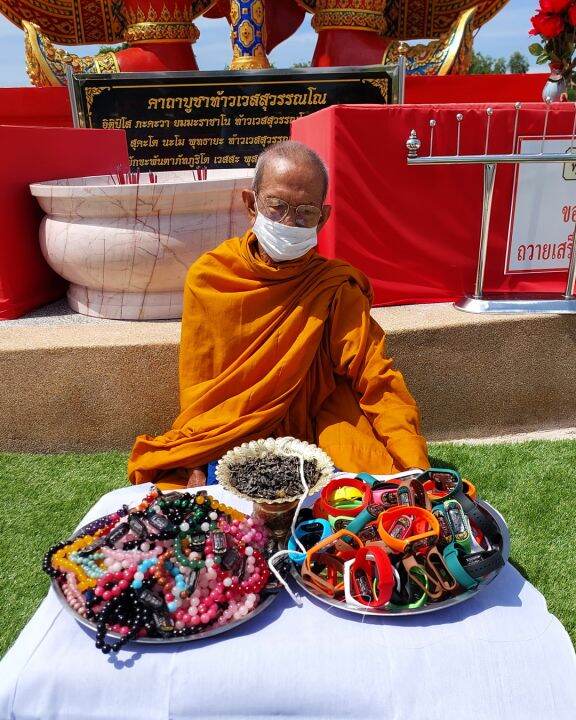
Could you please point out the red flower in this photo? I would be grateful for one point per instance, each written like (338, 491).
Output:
(554, 6)
(548, 26)
(572, 15)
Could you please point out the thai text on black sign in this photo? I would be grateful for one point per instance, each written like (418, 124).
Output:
(175, 121)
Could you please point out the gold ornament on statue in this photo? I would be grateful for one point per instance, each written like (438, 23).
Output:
(248, 34)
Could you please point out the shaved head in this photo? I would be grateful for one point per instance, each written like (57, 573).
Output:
(295, 154)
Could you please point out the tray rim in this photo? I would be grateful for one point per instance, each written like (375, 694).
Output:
(425, 609)
(88, 624)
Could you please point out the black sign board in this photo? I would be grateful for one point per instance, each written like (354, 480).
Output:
(182, 120)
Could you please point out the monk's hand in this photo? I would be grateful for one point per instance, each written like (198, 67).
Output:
(197, 477)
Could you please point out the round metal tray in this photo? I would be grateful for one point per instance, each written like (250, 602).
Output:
(432, 607)
(265, 601)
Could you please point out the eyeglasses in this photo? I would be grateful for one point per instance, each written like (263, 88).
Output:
(277, 210)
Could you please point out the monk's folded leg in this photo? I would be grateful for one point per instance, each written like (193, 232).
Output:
(344, 432)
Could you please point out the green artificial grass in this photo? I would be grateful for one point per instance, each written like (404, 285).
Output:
(532, 484)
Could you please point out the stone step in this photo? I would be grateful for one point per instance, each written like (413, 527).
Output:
(71, 383)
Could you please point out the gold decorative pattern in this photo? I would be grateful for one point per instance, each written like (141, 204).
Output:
(38, 71)
(234, 12)
(447, 55)
(91, 93)
(80, 22)
(159, 31)
(415, 19)
(402, 19)
(106, 63)
(69, 22)
(381, 84)
(46, 64)
(350, 20)
(246, 33)
(351, 14)
(257, 11)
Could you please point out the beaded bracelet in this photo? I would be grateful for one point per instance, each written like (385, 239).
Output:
(173, 566)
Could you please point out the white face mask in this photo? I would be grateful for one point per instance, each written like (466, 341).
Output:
(283, 242)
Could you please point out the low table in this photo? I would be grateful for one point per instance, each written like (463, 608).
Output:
(500, 655)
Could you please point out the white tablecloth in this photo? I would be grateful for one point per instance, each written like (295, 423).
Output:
(500, 655)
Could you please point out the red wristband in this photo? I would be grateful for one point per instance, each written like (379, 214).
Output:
(324, 507)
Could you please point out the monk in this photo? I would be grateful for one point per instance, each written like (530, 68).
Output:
(278, 340)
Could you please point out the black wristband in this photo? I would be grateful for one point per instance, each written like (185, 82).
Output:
(480, 564)
(482, 520)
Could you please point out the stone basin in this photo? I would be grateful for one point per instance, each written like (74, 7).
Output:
(126, 248)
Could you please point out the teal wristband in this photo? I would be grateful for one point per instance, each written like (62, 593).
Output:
(452, 561)
(367, 478)
(357, 523)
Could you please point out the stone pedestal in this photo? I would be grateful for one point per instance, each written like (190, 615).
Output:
(126, 248)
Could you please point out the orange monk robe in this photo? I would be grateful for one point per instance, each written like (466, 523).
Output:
(280, 350)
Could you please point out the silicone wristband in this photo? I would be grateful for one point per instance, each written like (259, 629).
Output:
(433, 589)
(441, 483)
(482, 521)
(412, 492)
(333, 583)
(339, 522)
(369, 534)
(438, 511)
(319, 529)
(459, 524)
(340, 547)
(436, 568)
(452, 560)
(319, 554)
(360, 521)
(347, 496)
(359, 577)
(469, 489)
(480, 564)
(348, 596)
(367, 478)
(327, 493)
(417, 603)
(386, 494)
(387, 519)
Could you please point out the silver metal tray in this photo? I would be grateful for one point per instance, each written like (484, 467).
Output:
(432, 607)
(266, 601)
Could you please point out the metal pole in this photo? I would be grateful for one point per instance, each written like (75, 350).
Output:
(402, 50)
(569, 294)
(489, 177)
(72, 95)
(486, 159)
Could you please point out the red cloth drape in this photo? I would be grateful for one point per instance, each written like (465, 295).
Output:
(415, 230)
(33, 154)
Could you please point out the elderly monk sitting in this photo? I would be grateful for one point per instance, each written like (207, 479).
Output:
(278, 340)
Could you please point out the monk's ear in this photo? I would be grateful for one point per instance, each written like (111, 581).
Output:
(326, 210)
(248, 199)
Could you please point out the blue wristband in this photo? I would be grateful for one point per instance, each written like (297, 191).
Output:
(319, 528)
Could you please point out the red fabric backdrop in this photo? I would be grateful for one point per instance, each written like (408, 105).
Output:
(475, 88)
(48, 107)
(32, 154)
(415, 230)
(51, 106)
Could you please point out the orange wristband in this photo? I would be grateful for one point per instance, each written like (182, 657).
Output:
(329, 554)
(423, 531)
